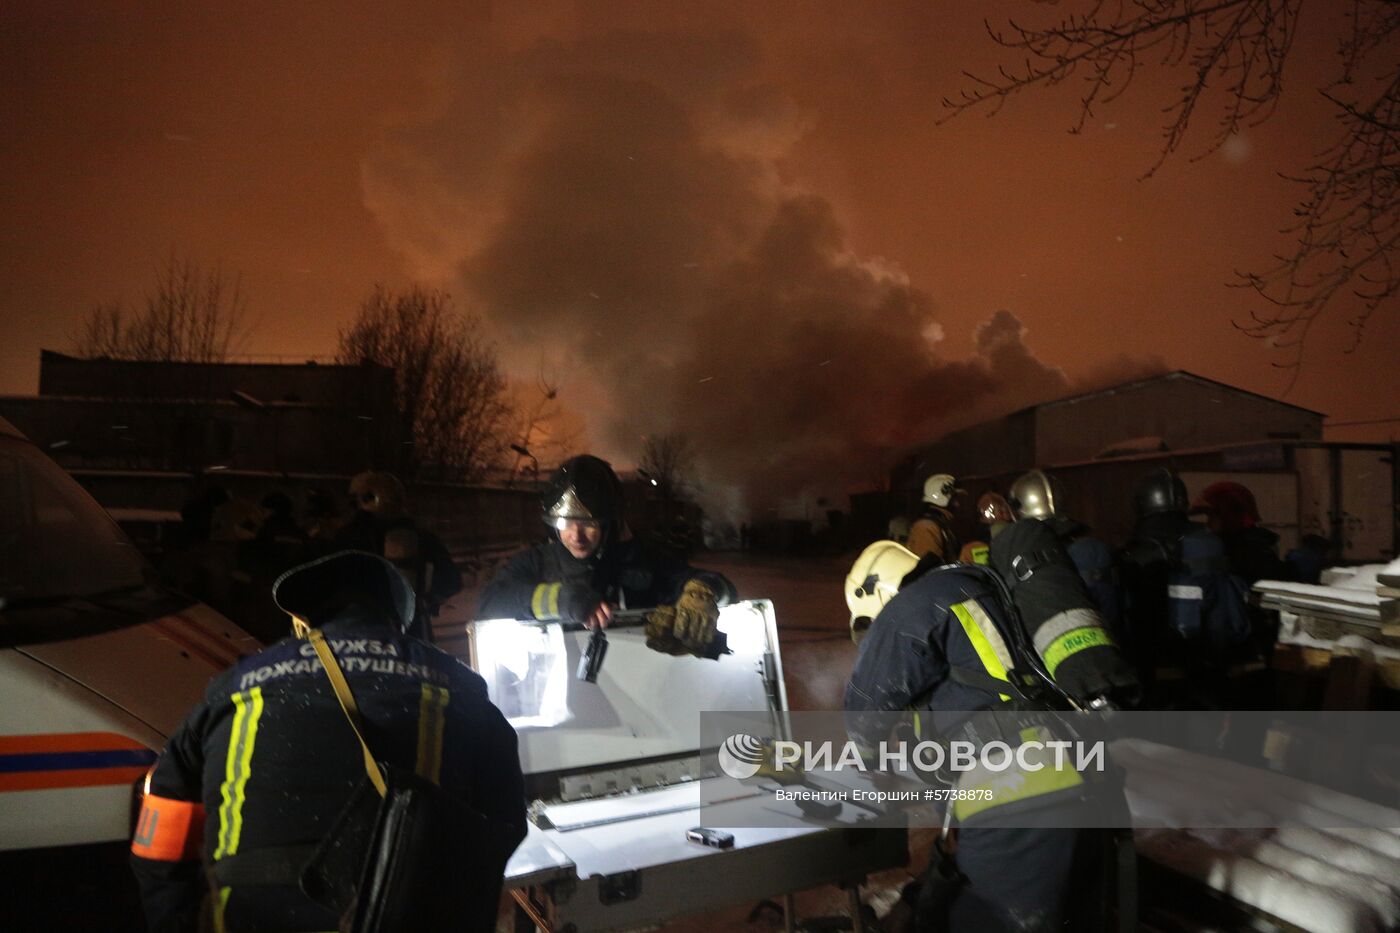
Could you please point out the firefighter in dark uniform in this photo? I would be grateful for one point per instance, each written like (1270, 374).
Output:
(255, 777)
(382, 525)
(1038, 495)
(1160, 505)
(944, 644)
(590, 565)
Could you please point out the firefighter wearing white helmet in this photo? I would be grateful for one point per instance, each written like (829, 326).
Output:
(873, 581)
(932, 536)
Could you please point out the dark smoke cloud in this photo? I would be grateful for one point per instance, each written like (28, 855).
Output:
(621, 202)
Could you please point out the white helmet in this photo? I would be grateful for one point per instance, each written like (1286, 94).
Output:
(939, 489)
(873, 581)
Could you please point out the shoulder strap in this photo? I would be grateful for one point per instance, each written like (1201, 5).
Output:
(944, 521)
(347, 703)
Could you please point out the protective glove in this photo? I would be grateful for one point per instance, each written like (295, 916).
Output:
(660, 632)
(697, 617)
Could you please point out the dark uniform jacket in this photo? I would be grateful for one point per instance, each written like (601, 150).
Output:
(906, 660)
(271, 759)
(1253, 555)
(629, 573)
(366, 533)
(1145, 567)
(1016, 878)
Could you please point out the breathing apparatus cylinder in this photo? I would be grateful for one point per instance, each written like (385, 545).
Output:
(1056, 611)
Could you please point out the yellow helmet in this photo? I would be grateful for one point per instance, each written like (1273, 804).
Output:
(873, 581)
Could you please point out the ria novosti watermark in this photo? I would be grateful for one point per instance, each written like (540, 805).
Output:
(1198, 769)
(743, 756)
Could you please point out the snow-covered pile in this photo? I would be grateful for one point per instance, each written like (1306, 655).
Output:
(1331, 862)
(1365, 577)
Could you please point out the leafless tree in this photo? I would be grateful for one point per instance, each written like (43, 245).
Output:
(539, 429)
(669, 459)
(1347, 224)
(450, 390)
(192, 315)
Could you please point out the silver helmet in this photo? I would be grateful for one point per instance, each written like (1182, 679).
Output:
(1036, 495)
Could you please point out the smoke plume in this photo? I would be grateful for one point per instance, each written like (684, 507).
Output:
(618, 198)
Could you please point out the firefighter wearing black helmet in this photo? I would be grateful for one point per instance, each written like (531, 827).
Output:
(1187, 614)
(1160, 505)
(590, 564)
(266, 767)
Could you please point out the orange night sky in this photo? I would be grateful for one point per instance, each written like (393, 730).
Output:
(701, 214)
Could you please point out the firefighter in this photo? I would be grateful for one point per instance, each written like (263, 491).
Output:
(1160, 505)
(1251, 553)
(590, 564)
(932, 535)
(1038, 495)
(381, 525)
(898, 529)
(1251, 549)
(945, 644)
(995, 513)
(873, 580)
(1186, 613)
(256, 775)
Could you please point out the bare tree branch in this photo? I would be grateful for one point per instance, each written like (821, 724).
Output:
(669, 459)
(450, 390)
(1348, 230)
(1234, 53)
(190, 316)
(539, 429)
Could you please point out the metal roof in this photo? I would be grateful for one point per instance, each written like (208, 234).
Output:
(1174, 374)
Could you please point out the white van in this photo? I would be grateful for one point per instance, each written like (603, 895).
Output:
(98, 663)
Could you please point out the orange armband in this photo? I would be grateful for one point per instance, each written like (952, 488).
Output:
(168, 830)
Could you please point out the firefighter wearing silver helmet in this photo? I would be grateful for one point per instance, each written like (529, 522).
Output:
(1034, 495)
(1038, 495)
(932, 537)
(591, 564)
